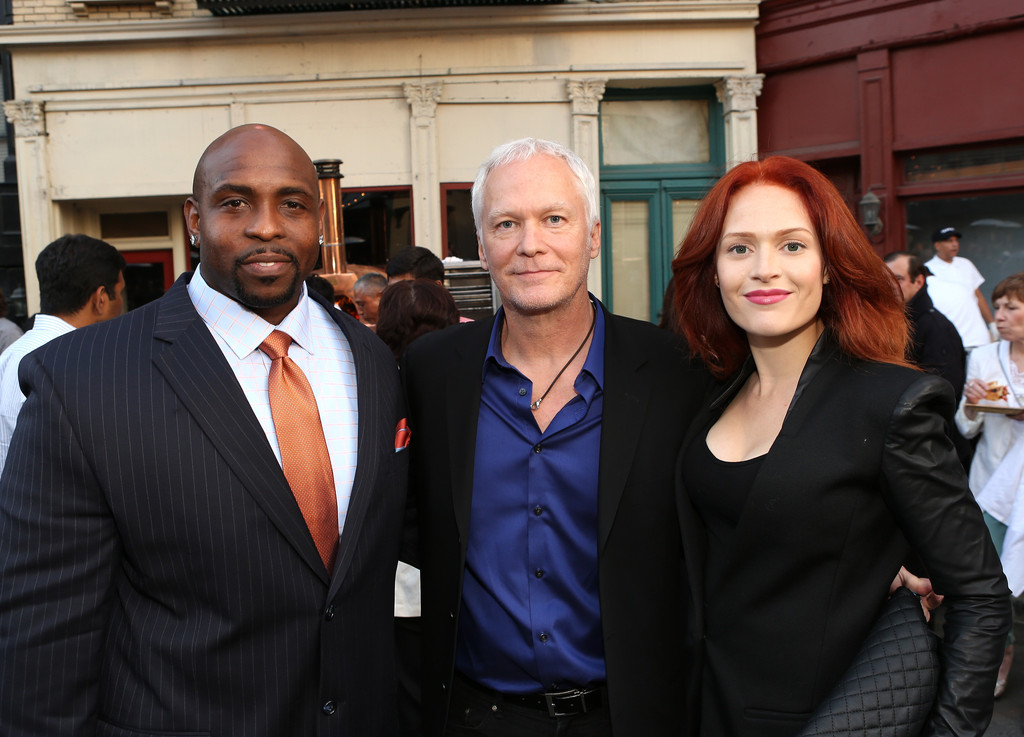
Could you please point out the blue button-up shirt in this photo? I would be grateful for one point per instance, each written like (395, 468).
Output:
(531, 615)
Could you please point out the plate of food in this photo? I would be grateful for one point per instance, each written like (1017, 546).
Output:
(995, 408)
(996, 400)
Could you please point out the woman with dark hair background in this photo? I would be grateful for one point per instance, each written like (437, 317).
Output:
(821, 465)
(409, 309)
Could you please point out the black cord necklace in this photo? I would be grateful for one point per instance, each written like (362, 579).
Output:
(536, 405)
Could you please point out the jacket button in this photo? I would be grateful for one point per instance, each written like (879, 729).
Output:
(543, 637)
(329, 614)
(329, 708)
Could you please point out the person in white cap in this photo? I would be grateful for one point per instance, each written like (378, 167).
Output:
(949, 271)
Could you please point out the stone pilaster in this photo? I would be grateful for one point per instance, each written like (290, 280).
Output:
(37, 214)
(738, 95)
(423, 98)
(585, 96)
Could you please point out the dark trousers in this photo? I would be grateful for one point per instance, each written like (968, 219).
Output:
(476, 711)
(407, 668)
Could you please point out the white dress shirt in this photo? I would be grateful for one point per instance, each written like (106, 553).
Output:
(320, 349)
(44, 329)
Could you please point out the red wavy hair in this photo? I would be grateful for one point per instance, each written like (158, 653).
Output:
(861, 303)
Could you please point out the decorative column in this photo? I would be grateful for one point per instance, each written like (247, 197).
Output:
(586, 99)
(37, 226)
(738, 95)
(426, 183)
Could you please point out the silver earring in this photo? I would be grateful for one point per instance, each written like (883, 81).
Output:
(192, 239)
(321, 240)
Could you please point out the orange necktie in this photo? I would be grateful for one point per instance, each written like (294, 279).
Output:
(300, 435)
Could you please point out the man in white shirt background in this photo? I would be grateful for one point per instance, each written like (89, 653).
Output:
(81, 281)
(955, 287)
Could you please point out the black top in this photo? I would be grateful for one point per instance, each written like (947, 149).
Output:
(719, 491)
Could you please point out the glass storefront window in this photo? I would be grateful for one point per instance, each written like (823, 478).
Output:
(459, 231)
(378, 223)
(631, 288)
(646, 132)
(981, 162)
(682, 214)
(992, 227)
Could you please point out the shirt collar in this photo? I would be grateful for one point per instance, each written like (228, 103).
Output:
(243, 330)
(594, 365)
(51, 323)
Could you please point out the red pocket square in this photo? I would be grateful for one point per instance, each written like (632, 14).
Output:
(402, 435)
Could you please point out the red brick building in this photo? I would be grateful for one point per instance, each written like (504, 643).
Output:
(919, 101)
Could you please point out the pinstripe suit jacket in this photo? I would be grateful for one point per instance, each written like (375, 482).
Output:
(156, 575)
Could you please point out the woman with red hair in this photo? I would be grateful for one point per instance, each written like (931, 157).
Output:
(821, 465)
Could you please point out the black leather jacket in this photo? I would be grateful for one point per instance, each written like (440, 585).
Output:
(864, 453)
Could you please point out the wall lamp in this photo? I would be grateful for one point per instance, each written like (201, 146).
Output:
(870, 207)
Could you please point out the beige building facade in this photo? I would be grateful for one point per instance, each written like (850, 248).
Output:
(113, 104)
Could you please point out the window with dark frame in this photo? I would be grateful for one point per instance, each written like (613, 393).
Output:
(378, 223)
(458, 231)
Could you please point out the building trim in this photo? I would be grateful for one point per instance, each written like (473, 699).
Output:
(338, 25)
(837, 30)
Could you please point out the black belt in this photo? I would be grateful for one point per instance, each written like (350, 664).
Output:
(555, 703)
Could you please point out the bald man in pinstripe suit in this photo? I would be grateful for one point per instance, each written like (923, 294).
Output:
(157, 576)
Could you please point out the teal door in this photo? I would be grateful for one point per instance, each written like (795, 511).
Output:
(661, 149)
(643, 223)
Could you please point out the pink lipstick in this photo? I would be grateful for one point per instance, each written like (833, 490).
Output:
(766, 296)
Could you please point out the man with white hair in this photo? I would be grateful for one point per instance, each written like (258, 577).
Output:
(553, 580)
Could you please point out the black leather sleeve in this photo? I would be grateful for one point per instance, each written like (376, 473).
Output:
(926, 487)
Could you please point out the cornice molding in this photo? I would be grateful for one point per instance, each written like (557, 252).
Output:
(81, 7)
(537, 18)
(802, 33)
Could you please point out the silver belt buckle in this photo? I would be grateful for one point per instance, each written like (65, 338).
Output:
(553, 700)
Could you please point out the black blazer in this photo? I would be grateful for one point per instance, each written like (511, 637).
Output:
(861, 473)
(649, 396)
(157, 574)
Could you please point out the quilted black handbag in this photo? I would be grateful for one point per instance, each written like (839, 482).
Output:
(889, 689)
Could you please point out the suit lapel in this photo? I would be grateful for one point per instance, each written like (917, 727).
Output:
(625, 404)
(373, 431)
(463, 386)
(196, 370)
(691, 527)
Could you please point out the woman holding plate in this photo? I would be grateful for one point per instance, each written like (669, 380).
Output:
(993, 402)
